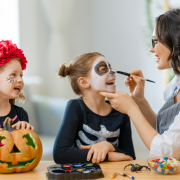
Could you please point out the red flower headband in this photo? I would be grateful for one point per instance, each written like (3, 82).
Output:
(8, 50)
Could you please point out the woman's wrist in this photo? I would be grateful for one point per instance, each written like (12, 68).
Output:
(133, 110)
(139, 100)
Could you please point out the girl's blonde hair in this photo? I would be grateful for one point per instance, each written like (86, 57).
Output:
(79, 67)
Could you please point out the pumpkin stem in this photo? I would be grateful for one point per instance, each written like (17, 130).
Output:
(7, 124)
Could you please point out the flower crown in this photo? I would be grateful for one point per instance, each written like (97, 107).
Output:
(8, 50)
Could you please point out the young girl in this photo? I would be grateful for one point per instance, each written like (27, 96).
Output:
(91, 130)
(12, 62)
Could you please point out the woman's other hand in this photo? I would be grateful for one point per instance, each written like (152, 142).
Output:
(120, 101)
(136, 85)
(99, 151)
(115, 156)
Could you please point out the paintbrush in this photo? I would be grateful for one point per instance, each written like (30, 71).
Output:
(131, 75)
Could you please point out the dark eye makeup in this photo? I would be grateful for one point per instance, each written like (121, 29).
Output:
(101, 68)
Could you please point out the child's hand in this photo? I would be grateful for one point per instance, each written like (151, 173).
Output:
(1, 129)
(22, 125)
(115, 156)
(99, 151)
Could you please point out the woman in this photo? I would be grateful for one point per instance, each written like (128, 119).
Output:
(159, 132)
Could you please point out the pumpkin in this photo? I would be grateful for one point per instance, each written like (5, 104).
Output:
(20, 150)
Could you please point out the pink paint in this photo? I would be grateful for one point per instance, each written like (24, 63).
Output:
(66, 165)
(1, 144)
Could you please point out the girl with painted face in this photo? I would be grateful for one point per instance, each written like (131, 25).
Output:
(12, 64)
(91, 129)
(160, 132)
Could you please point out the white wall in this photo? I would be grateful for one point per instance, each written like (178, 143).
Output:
(110, 27)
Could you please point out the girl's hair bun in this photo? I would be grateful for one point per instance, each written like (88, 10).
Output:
(63, 71)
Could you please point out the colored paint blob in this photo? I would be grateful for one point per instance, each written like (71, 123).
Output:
(79, 169)
(69, 170)
(67, 165)
(90, 164)
(86, 171)
(77, 165)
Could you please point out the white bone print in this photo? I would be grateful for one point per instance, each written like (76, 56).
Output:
(102, 135)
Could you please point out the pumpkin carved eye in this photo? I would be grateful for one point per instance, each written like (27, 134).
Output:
(31, 141)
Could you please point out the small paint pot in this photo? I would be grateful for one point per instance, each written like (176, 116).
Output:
(59, 171)
(78, 165)
(86, 171)
(88, 165)
(67, 165)
(90, 168)
(79, 169)
(69, 169)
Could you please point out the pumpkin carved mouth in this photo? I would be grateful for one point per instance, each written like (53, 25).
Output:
(19, 164)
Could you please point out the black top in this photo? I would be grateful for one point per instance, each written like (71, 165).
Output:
(16, 114)
(82, 126)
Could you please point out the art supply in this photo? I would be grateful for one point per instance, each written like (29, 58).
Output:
(74, 171)
(131, 75)
(113, 176)
(128, 175)
(122, 174)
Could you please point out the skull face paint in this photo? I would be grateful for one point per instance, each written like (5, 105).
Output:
(102, 78)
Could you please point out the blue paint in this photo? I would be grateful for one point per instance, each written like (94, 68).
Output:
(78, 165)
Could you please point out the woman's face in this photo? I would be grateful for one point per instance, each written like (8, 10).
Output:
(101, 77)
(162, 54)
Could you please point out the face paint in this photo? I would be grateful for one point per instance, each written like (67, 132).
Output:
(101, 68)
(10, 80)
(102, 78)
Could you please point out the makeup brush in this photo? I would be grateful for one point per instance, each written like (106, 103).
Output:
(130, 75)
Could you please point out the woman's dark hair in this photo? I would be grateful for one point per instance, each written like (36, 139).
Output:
(168, 33)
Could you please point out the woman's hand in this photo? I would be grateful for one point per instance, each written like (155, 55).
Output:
(115, 156)
(136, 85)
(22, 125)
(99, 151)
(120, 101)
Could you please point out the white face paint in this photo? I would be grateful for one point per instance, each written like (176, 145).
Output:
(100, 79)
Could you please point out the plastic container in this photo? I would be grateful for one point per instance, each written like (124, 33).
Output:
(164, 165)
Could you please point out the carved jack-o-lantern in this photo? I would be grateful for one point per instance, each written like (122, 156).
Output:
(20, 150)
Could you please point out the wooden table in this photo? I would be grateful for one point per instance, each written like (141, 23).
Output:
(108, 169)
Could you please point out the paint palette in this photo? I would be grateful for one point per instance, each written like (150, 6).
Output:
(74, 171)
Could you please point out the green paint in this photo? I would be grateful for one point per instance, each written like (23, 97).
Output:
(31, 141)
(89, 164)
(18, 165)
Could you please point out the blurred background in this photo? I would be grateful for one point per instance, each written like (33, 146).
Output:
(53, 32)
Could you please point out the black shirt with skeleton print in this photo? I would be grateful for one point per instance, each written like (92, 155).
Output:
(81, 126)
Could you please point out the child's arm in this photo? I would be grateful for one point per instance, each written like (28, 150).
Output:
(63, 151)
(115, 156)
(97, 152)
(125, 140)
